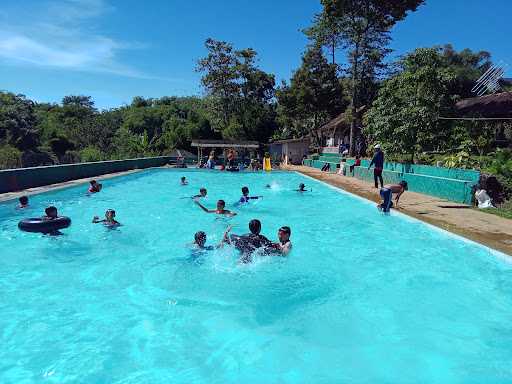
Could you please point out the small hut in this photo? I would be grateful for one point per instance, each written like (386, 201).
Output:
(334, 133)
(290, 151)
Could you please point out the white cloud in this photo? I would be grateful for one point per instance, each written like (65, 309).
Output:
(62, 36)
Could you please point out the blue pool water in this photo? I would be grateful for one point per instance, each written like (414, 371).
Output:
(363, 298)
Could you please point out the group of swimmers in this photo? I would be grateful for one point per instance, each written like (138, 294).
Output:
(249, 243)
(51, 213)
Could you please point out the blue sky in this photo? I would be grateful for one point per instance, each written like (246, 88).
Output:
(114, 50)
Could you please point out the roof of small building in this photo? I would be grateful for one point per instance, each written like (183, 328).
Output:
(498, 105)
(225, 144)
(297, 140)
(182, 153)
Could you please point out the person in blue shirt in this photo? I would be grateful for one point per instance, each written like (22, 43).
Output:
(378, 161)
(245, 196)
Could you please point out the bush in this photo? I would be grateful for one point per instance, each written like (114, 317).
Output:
(70, 157)
(501, 167)
(90, 154)
(10, 157)
(41, 156)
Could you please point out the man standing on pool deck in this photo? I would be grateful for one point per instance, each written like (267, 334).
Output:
(378, 161)
(221, 204)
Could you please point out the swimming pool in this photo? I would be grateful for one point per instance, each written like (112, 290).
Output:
(362, 298)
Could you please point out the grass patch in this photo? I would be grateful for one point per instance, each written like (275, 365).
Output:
(505, 210)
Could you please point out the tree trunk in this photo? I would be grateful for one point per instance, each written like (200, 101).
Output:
(353, 123)
(333, 50)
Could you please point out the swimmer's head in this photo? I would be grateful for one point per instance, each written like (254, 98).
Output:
(23, 200)
(200, 238)
(110, 214)
(302, 186)
(268, 186)
(203, 192)
(183, 179)
(51, 211)
(245, 191)
(284, 233)
(93, 183)
(404, 185)
(255, 226)
(221, 204)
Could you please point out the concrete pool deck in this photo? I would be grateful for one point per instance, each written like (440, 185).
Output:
(487, 229)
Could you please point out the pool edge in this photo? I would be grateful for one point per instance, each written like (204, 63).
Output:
(495, 252)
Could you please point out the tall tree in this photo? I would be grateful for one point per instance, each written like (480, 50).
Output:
(239, 94)
(18, 121)
(363, 27)
(219, 79)
(315, 94)
(404, 117)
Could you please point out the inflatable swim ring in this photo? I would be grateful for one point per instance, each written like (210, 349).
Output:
(38, 224)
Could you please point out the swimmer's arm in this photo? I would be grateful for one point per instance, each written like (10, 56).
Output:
(229, 213)
(397, 198)
(255, 197)
(97, 220)
(225, 237)
(203, 207)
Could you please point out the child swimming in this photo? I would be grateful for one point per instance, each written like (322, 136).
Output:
(184, 180)
(200, 241)
(302, 188)
(221, 204)
(284, 246)
(245, 196)
(95, 187)
(109, 220)
(202, 193)
(23, 202)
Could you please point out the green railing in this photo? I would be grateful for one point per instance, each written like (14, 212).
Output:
(448, 183)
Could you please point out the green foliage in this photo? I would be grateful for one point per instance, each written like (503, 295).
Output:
(60, 145)
(502, 164)
(38, 156)
(404, 117)
(70, 157)
(315, 95)
(17, 121)
(76, 131)
(461, 159)
(10, 157)
(90, 154)
(362, 28)
(504, 210)
(239, 94)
